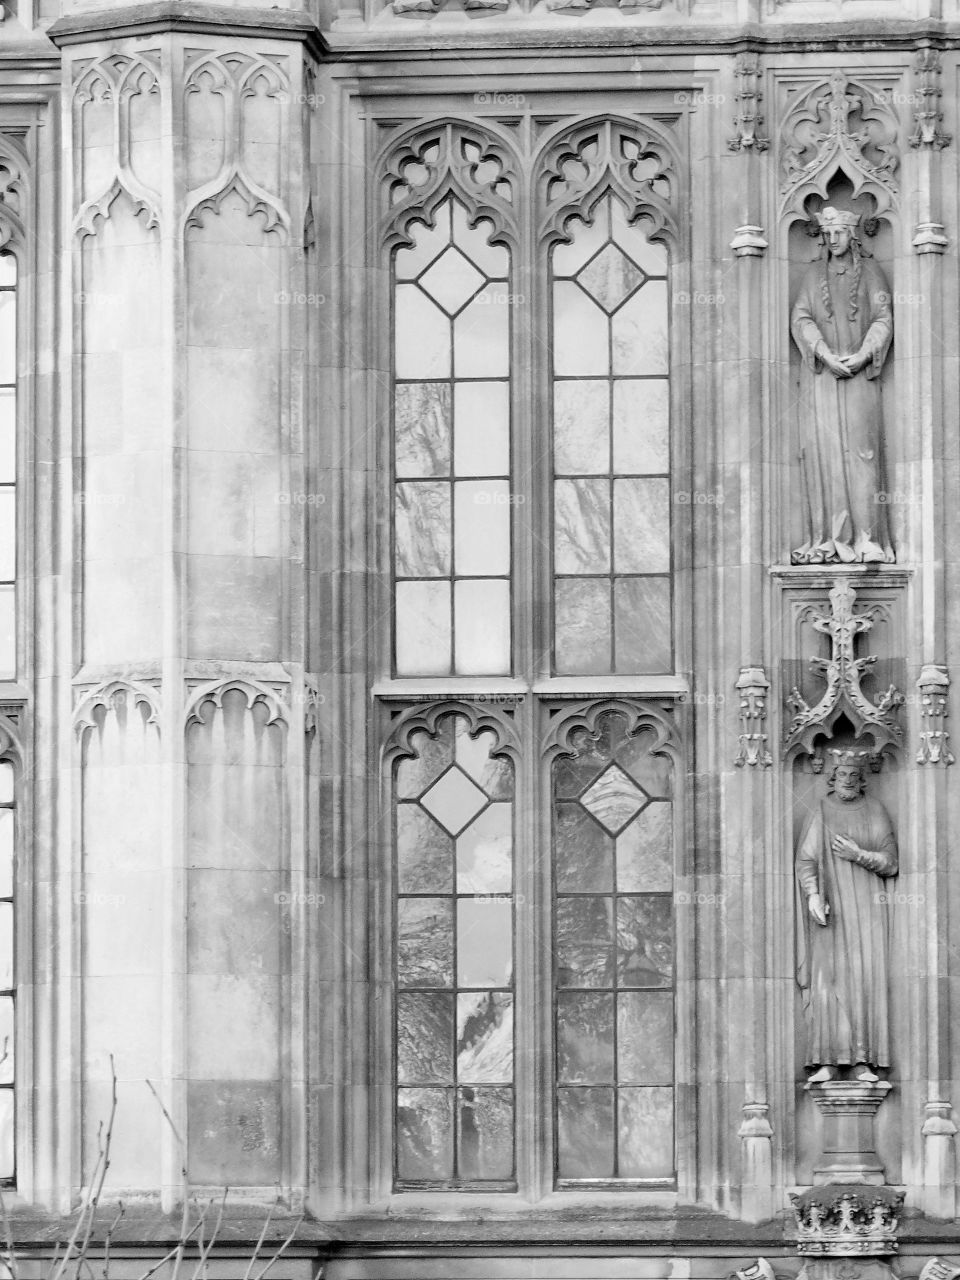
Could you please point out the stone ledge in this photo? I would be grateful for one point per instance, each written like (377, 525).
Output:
(190, 16)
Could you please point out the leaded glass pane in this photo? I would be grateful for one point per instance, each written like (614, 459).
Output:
(612, 516)
(424, 627)
(8, 435)
(452, 504)
(613, 949)
(454, 958)
(6, 1133)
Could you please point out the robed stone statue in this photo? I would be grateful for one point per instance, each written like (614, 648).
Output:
(846, 852)
(842, 322)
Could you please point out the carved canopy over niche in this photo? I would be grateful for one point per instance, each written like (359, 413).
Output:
(426, 165)
(833, 126)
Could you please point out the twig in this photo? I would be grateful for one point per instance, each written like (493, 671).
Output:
(185, 1212)
(201, 1268)
(167, 1256)
(283, 1248)
(109, 1240)
(104, 1146)
(263, 1234)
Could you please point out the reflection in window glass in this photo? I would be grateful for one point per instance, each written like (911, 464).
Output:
(453, 840)
(614, 958)
(7, 993)
(611, 498)
(8, 493)
(451, 450)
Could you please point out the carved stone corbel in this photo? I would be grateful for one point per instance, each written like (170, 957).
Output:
(753, 687)
(748, 118)
(933, 684)
(927, 116)
(929, 237)
(749, 241)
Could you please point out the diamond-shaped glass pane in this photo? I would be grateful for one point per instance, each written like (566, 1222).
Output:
(452, 280)
(454, 800)
(614, 799)
(610, 277)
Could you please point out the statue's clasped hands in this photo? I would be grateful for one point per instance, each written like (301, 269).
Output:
(843, 366)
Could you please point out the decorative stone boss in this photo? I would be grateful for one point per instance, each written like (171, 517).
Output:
(846, 851)
(842, 322)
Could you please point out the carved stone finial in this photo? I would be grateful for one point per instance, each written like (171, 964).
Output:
(847, 1221)
(753, 687)
(749, 241)
(933, 684)
(748, 118)
(927, 116)
(843, 671)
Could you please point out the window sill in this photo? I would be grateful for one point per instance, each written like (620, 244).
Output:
(507, 687)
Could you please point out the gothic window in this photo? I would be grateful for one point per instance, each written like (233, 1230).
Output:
(532, 830)
(8, 464)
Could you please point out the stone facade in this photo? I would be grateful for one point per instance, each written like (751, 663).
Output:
(209, 715)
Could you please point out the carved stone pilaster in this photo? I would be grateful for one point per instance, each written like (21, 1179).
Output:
(939, 1167)
(753, 687)
(927, 116)
(933, 685)
(756, 1170)
(749, 241)
(748, 118)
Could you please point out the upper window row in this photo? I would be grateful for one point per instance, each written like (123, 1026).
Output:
(566, 466)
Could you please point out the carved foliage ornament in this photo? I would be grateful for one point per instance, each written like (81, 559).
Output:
(753, 687)
(634, 160)
(847, 1221)
(933, 685)
(927, 116)
(840, 125)
(843, 672)
(13, 190)
(476, 164)
(748, 119)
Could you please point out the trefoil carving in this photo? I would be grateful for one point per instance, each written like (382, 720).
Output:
(843, 672)
(113, 695)
(844, 126)
(474, 163)
(632, 159)
(273, 697)
(753, 687)
(933, 685)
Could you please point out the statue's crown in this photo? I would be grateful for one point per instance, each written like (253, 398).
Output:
(831, 217)
(859, 758)
(847, 1221)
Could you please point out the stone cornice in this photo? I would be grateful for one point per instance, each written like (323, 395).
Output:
(625, 35)
(187, 16)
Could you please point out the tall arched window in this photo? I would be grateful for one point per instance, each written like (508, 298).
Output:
(533, 795)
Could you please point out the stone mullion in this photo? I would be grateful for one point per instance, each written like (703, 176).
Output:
(927, 306)
(748, 778)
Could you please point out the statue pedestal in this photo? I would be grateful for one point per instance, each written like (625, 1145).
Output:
(848, 1108)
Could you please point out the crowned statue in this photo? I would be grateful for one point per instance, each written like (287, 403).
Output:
(842, 323)
(845, 853)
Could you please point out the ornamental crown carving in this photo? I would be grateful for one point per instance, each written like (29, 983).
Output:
(843, 672)
(847, 1221)
(840, 125)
